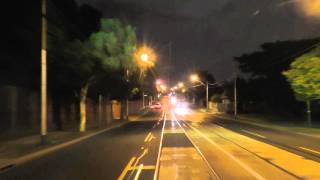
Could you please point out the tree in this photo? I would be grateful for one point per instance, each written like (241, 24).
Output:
(270, 89)
(304, 77)
(105, 52)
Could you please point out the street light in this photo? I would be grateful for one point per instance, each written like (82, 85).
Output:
(163, 87)
(195, 78)
(43, 90)
(180, 85)
(158, 82)
(311, 8)
(144, 57)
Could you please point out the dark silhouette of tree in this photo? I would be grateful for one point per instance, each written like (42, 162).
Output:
(266, 83)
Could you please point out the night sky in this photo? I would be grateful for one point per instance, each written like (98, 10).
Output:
(207, 34)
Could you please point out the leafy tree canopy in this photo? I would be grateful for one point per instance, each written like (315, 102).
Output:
(114, 44)
(267, 86)
(108, 50)
(273, 58)
(304, 76)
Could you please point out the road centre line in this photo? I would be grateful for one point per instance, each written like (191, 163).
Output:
(126, 169)
(138, 172)
(135, 160)
(146, 139)
(243, 165)
(255, 134)
(145, 151)
(310, 150)
(155, 176)
(151, 138)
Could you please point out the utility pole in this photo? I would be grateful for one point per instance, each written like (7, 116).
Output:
(309, 119)
(100, 110)
(127, 98)
(43, 131)
(143, 99)
(207, 95)
(127, 109)
(170, 59)
(235, 98)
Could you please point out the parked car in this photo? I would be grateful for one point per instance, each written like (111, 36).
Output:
(156, 105)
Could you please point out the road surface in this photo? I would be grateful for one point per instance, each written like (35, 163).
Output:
(168, 146)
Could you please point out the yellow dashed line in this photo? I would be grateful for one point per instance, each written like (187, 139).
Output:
(146, 139)
(126, 169)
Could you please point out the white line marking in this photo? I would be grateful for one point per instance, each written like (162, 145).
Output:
(138, 172)
(255, 134)
(251, 171)
(156, 172)
(310, 150)
(150, 167)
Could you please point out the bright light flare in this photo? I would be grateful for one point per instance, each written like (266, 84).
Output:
(310, 8)
(158, 82)
(163, 87)
(182, 109)
(145, 57)
(180, 85)
(194, 78)
(173, 100)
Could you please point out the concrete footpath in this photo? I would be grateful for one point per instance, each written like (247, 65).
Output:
(18, 151)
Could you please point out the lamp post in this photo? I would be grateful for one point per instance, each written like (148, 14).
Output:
(195, 78)
(43, 131)
(143, 105)
(235, 98)
(207, 95)
(180, 85)
(145, 58)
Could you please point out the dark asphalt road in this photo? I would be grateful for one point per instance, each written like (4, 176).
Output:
(104, 156)
(308, 147)
(122, 151)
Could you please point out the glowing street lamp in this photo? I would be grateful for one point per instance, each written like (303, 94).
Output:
(194, 78)
(144, 57)
(180, 85)
(158, 82)
(163, 87)
(310, 8)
